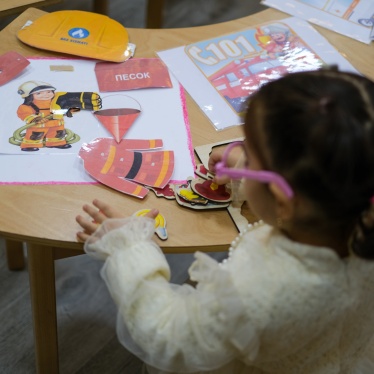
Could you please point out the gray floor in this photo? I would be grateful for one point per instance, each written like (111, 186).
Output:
(86, 314)
(177, 13)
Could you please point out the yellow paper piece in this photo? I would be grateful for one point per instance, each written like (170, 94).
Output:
(79, 33)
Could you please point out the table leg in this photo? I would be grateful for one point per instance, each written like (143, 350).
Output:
(154, 14)
(101, 6)
(14, 255)
(43, 300)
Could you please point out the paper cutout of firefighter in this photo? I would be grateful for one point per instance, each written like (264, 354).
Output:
(43, 112)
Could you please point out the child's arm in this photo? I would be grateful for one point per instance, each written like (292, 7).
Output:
(176, 328)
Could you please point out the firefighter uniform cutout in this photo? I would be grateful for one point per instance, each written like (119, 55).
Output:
(43, 112)
(119, 166)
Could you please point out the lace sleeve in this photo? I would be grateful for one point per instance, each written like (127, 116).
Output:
(173, 328)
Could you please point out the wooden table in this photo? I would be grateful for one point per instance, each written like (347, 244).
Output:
(44, 216)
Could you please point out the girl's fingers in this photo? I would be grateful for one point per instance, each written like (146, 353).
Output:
(107, 210)
(99, 212)
(88, 226)
(82, 236)
(152, 213)
(97, 215)
(221, 180)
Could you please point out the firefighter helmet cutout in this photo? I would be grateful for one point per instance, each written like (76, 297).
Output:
(79, 33)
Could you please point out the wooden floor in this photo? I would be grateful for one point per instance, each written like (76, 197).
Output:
(86, 314)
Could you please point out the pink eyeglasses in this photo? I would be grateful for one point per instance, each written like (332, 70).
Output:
(263, 176)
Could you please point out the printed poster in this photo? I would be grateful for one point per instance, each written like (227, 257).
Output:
(353, 18)
(221, 73)
(37, 148)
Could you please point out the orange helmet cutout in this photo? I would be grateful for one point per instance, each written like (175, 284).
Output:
(79, 33)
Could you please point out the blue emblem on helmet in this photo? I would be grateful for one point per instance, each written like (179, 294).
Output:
(78, 33)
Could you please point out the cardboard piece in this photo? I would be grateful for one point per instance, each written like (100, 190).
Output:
(79, 33)
(203, 172)
(203, 151)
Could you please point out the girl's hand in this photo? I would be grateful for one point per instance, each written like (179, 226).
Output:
(99, 212)
(216, 156)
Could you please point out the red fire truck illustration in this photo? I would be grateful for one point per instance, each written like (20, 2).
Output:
(237, 80)
(281, 51)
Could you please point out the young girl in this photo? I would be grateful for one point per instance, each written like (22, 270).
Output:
(296, 292)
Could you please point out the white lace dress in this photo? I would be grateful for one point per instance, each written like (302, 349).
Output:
(274, 306)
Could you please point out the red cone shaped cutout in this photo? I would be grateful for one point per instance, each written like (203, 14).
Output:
(117, 121)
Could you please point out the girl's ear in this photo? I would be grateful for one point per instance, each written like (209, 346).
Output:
(284, 205)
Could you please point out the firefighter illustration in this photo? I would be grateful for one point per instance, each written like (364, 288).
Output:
(281, 41)
(43, 112)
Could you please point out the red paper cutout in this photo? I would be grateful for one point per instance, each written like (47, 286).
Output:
(167, 192)
(11, 64)
(117, 121)
(132, 74)
(125, 170)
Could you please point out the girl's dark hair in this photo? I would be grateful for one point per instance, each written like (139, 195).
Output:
(319, 132)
